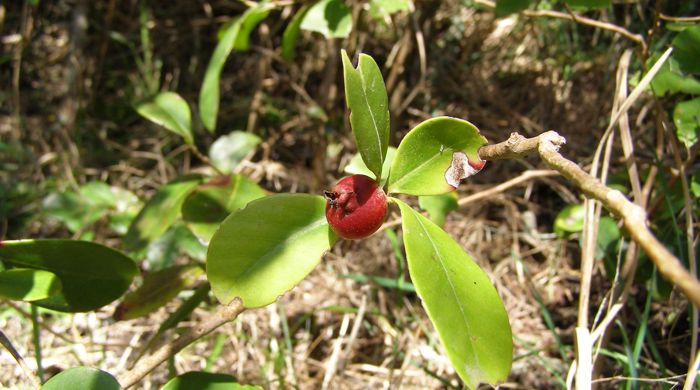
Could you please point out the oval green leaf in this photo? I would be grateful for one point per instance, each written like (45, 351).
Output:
(431, 149)
(235, 36)
(569, 220)
(208, 205)
(158, 288)
(367, 101)
(91, 274)
(686, 117)
(460, 300)
(26, 284)
(159, 213)
(357, 167)
(331, 18)
(228, 151)
(84, 378)
(291, 34)
(265, 249)
(197, 380)
(687, 49)
(171, 111)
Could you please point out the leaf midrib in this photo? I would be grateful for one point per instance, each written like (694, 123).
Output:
(374, 121)
(452, 288)
(275, 249)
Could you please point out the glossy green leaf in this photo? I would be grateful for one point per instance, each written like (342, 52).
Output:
(83, 378)
(197, 380)
(587, 4)
(159, 213)
(208, 205)
(228, 151)
(291, 34)
(507, 7)
(686, 117)
(670, 79)
(92, 275)
(331, 18)
(687, 49)
(357, 167)
(158, 289)
(569, 220)
(265, 249)
(460, 300)
(426, 153)
(368, 103)
(235, 36)
(171, 111)
(438, 206)
(26, 284)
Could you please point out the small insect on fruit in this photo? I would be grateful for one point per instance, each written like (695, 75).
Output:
(356, 207)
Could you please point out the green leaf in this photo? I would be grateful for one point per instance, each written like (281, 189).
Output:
(158, 289)
(26, 284)
(92, 275)
(569, 220)
(80, 210)
(159, 213)
(686, 117)
(670, 79)
(587, 4)
(507, 7)
(171, 111)
(265, 249)
(163, 252)
(438, 206)
(379, 9)
(687, 49)
(84, 378)
(357, 167)
(235, 36)
(367, 101)
(429, 150)
(127, 207)
(291, 34)
(229, 150)
(331, 18)
(460, 300)
(208, 205)
(196, 380)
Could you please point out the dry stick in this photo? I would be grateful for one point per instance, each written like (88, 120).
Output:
(224, 314)
(633, 217)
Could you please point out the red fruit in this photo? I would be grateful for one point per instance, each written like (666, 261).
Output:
(356, 207)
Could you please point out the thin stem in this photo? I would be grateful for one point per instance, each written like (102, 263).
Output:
(36, 338)
(224, 314)
(205, 159)
(634, 217)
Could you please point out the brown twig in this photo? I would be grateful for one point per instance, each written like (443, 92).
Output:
(224, 314)
(633, 216)
(580, 19)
